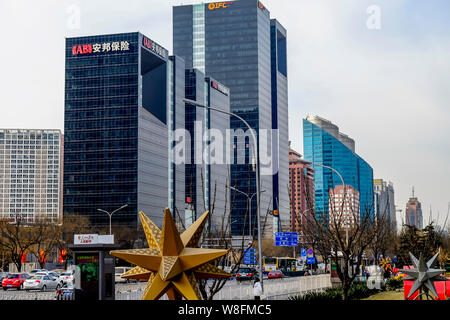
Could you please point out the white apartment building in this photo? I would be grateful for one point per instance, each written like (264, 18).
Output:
(344, 206)
(31, 174)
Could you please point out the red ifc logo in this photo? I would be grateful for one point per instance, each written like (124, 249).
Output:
(82, 49)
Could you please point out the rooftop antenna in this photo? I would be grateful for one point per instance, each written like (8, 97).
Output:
(413, 191)
(431, 215)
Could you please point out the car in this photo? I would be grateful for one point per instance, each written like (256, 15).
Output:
(275, 274)
(14, 280)
(2, 276)
(66, 277)
(41, 282)
(119, 272)
(54, 274)
(245, 274)
(34, 271)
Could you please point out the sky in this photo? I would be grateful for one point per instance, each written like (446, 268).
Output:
(378, 69)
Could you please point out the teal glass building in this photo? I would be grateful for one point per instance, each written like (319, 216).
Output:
(324, 144)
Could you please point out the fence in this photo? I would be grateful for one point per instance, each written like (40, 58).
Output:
(274, 289)
(279, 289)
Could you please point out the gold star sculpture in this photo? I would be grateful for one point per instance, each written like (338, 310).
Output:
(172, 263)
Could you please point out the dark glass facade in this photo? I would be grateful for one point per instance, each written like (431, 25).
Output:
(323, 148)
(233, 45)
(206, 180)
(117, 115)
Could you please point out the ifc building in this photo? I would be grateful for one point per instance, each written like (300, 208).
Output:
(237, 43)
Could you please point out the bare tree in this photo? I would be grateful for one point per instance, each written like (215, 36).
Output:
(346, 235)
(18, 236)
(49, 239)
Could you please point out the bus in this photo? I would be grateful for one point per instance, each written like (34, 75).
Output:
(279, 263)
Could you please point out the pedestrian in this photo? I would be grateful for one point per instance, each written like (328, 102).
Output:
(257, 290)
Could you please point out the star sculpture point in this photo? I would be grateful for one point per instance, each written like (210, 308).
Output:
(423, 275)
(172, 262)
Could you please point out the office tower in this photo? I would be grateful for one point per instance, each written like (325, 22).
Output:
(413, 213)
(124, 97)
(30, 174)
(345, 212)
(301, 189)
(238, 44)
(207, 170)
(384, 201)
(324, 145)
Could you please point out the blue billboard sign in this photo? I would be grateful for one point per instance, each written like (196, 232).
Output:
(286, 239)
(303, 252)
(250, 257)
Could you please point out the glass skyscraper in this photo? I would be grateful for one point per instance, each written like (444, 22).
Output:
(123, 95)
(324, 144)
(238, 44)
(207, 179)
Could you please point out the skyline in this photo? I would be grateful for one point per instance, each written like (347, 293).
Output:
(392, 79)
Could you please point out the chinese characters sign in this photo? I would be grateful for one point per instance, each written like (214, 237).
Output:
(116, 46)
(219, 87)
(153, 46)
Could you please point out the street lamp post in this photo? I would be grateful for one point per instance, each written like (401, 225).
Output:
(249, 203)
(110, 214)
(343, 183)
(255, 158)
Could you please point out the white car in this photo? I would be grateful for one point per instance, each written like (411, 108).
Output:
(35, 271)
(41, 282)
(66, 277)
(120, 271)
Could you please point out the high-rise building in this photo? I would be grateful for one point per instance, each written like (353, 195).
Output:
(207, 171)
(301, 188)
(384, 201)
(345, 212)
(324, 145)
(413, 213)
(237, 43)
(124, 96)
(30, 174)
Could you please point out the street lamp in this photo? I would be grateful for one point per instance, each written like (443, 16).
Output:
(343, 183)
(249, 204)
(255, 159)
(110, 214)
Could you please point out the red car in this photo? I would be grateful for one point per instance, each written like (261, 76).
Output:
(14, 280)
(275, 274)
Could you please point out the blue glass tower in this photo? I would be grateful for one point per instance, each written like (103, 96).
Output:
(325, 145)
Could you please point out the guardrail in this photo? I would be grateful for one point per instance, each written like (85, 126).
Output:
(274, 289)
(277, 289)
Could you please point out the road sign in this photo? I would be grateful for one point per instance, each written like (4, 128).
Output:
(286, 239)
(311, 260)
(310, 253)
(303, 252)
(249, 256)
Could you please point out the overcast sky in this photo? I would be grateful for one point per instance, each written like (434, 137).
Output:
(387, 85)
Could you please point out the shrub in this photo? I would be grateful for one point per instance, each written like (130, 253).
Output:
(393, 284)
(358, 290)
